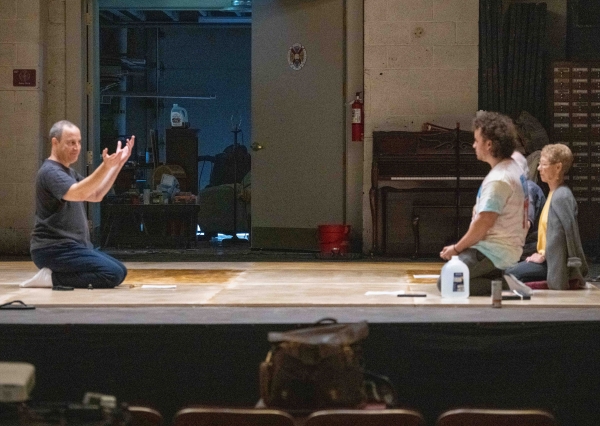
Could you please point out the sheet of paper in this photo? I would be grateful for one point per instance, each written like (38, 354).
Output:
(162, 287)
(426, 276)
(384, 293)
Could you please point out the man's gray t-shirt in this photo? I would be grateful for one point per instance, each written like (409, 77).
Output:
(56, 220)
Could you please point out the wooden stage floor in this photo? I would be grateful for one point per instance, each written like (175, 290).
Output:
(202, 341)
(271, 284)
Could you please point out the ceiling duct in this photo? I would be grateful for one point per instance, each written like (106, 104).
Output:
(220, 12)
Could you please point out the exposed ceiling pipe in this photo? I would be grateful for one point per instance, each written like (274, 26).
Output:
(107, 15)
(119, 14)
(137, 13)
(223, 20)
(237, 23)
(174, 15)
(161, 4)
(230, 15)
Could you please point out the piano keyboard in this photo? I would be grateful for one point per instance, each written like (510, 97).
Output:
(437, 178)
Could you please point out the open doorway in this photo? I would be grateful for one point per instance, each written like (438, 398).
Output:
(179, 80)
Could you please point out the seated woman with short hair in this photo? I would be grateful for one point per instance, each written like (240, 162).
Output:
(559, 257)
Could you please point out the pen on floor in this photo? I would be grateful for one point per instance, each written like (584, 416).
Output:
(412, 295)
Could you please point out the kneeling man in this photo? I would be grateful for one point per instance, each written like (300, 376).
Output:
(495, 238)
(60, 241)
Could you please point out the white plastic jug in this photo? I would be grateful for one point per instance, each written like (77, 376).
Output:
(455, 279)
(179, 117)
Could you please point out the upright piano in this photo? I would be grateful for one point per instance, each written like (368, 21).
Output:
(442, 157)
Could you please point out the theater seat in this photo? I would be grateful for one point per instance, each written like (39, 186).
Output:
(496, 417)
(144, 416)
(214, 416)
(391, 417)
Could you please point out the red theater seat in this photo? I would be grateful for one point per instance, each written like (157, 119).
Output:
(213, 416)
(145, 416)
(492, 417)
(390, 417)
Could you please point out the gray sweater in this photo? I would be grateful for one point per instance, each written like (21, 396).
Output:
(563, 243)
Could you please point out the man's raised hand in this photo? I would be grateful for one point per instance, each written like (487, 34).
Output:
(130, 143)
(111, 160)
(121, 155)
(125, 152)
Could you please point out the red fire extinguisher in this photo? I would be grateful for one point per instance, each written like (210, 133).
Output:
(358, 119)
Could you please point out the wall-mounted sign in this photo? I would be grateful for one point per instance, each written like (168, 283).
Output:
(24, 78)
(297, 56)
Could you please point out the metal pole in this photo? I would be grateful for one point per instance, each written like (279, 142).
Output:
(235, 144)
(234, 239)
(457, 195)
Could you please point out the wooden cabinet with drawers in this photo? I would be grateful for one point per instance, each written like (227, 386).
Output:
(575, 107)
(576, 123)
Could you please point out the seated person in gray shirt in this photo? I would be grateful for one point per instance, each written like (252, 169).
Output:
(60, 241)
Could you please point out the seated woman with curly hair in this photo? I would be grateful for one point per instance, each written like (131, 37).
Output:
(559, 257)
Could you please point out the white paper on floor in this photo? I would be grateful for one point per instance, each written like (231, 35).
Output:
(162, 287)
(384, 293)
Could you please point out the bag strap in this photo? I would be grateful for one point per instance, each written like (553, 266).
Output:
(383, 390)
(323, 334)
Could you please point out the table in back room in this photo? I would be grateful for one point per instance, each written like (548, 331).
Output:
(149, 224)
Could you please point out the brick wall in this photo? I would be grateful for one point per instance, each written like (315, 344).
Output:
(21, 119)
(421, 65)
(55, 64)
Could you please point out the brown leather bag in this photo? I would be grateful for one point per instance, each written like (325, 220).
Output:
(315, 367)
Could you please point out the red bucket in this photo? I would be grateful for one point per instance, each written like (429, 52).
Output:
(334, 239)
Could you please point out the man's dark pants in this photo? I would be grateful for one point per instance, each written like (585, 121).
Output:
(74, 265)
(481, 273)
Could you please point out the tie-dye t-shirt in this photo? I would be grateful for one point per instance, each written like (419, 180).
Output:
(503, 191)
